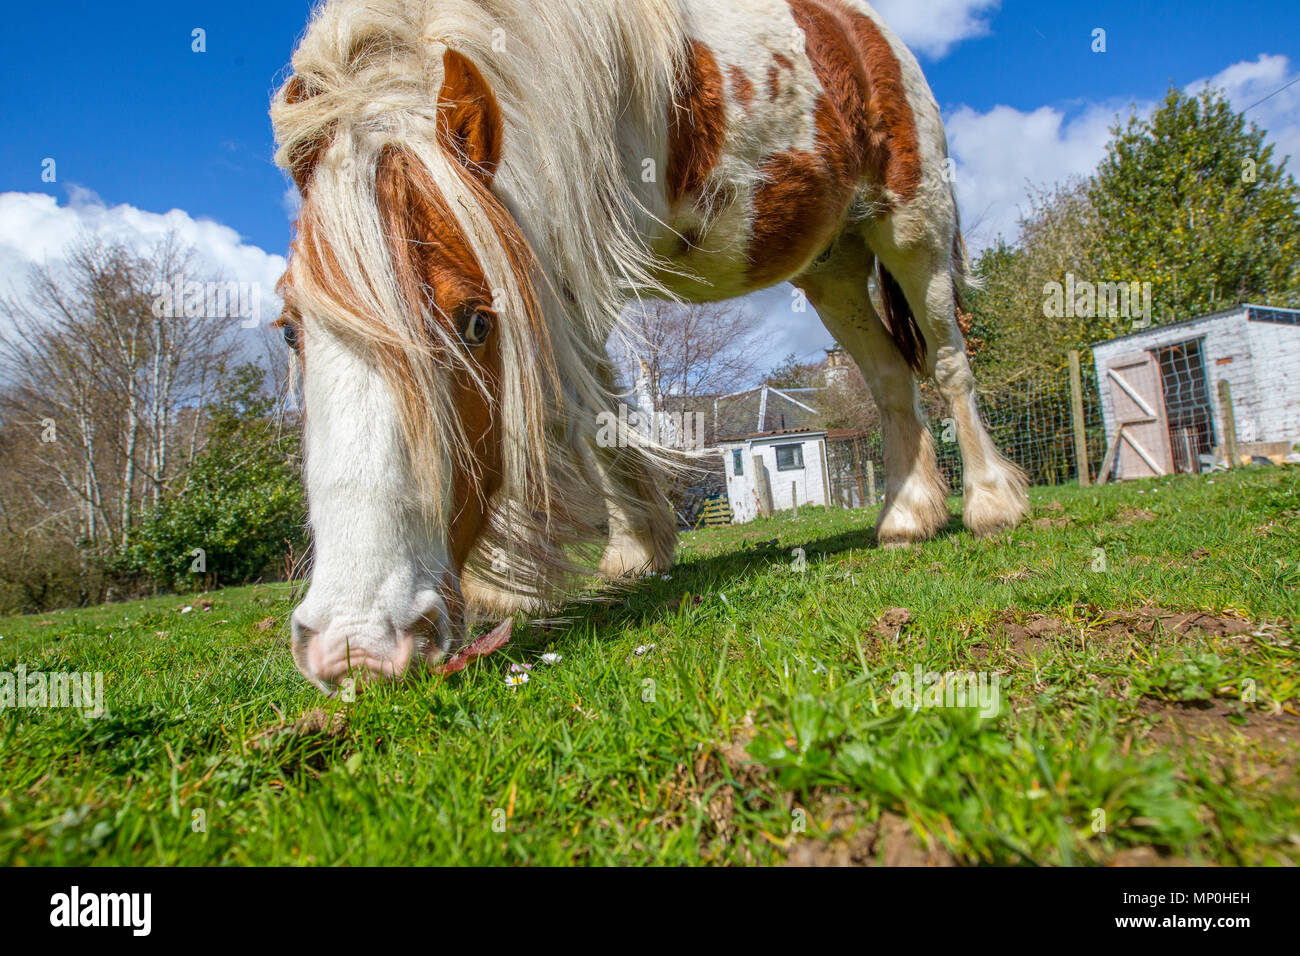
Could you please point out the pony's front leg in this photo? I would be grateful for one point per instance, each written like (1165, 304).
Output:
(642, 527)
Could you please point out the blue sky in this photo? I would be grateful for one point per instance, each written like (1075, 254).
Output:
(138, 124)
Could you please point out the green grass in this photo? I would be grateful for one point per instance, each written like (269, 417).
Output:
(756, 724)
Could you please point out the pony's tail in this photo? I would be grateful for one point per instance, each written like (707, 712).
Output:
(962, 279)
(900, 321)
(898, 314)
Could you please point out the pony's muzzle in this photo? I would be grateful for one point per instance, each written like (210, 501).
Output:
(330, 648)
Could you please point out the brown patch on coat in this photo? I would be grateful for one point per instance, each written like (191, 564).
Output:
(863, 82)
(304, 157)
(865, 130)
(697, 124)
(432, 258)
(795, 212)
(893, 144)
(741, 87)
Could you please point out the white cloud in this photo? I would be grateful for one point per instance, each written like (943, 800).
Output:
(36, 230)
(1265, 79)
(933, 27)
(1005, 155)
(291, 201)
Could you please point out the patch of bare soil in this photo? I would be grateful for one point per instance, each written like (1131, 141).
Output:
(1249, 747)
(313, 723)
(1047, 524)
(1151, 620)
(1030, 636)
(1185, 723)
(889, 626)
(1147, 856)
(838, 837)
(1134, 516)
(710, 783)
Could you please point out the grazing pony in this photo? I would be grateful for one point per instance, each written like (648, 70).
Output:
(486, 184)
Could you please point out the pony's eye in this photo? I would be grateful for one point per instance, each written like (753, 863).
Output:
(476, 326)
(290, 331)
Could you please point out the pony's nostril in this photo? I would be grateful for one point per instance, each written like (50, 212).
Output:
(426, 636)
(302, 634)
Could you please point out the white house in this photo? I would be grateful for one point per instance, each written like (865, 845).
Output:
(775, 471)
(1160, 389)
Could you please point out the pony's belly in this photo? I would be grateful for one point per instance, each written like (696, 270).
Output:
(761, 238)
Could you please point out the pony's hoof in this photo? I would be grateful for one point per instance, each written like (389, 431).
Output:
(994, 506)
(626, 559)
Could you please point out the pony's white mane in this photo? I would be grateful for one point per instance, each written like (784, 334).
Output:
(575, 83)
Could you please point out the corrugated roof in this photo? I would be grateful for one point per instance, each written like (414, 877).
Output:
(1247, 307)
(784, 408)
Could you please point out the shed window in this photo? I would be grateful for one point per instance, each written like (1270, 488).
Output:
(789, 457)
(737, 463)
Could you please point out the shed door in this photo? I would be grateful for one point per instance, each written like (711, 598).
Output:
(1138, 399)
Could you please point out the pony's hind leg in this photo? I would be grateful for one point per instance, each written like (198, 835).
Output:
(993, 488)
(915, 494)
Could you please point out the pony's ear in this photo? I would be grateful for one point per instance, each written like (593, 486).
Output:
(469, 117)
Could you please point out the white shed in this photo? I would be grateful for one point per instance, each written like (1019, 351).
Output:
(1161, 396)
(775, 471)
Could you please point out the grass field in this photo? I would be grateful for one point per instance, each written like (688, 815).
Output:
(741, 710)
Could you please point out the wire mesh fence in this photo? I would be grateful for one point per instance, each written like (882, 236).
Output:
(1031, 422)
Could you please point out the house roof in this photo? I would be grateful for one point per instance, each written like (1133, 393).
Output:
(1254, 313)
(845, 434)
(764, 409)
(775, 434)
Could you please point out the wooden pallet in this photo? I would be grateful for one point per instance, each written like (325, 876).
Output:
(715, 513)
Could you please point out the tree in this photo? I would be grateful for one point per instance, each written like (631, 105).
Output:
(1192, 201)
(687, 350)
(1188, 200)
(102, 376)
(1019, 336)
(792, 373)
(241, 509)
(103, 409)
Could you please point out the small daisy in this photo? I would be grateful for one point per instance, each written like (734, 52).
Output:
(519, 668)
(644, 649)
(186, 609)
(514, 680)
(550, 657)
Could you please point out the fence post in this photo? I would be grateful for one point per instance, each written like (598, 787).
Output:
(1080, 433)
(871, 483)
(762, 487)
(1229, 423)
(857, 467)
(794, 497)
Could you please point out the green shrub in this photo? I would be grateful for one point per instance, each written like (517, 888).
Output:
(241, 510)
